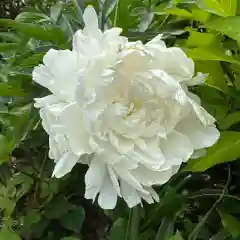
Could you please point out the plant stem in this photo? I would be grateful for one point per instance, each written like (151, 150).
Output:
(133, 224)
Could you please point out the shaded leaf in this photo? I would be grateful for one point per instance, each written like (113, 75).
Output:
(165, 230)
(11, 90)
(229, 120)
(70, 238)
(7, 234)
(56, 11)
(57, 208)
(8, 47)
(7, 205)
(118, 230)
(231, 224)
(45, 32)
(223, 234)
(177, 236)
(74, 219)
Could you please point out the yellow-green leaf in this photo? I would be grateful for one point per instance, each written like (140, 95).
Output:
(228, 26)
(198, 39)
(215, 73)
(209, 54)
(200, 14)
(225, 150)
(179, 12)
(222, 8)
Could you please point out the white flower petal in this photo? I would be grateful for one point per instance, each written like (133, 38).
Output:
(199, 136)
(77, 136)
(149, 177)
(107, 198)
(129, 194)
(90, 19)
(65, 164)
(94, 178)
(114, 178)
(124, 109)
(202, 114)
(176, 148)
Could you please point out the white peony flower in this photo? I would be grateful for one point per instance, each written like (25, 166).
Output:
(127, 105)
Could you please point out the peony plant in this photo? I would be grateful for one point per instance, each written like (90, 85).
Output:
(124, 109)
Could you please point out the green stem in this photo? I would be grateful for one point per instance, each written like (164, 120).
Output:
(133, 224)
(166, 228)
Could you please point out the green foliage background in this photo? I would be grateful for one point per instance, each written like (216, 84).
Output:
(201, 202)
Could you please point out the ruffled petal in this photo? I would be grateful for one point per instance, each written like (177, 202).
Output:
(65, 164)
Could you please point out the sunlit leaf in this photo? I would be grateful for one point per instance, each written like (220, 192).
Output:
(214, 74)
(227, 26)
(179, 12)
(222, 8)
(225, 150)
(209, 54)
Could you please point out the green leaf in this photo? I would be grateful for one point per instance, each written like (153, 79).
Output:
(7, 90)
(56, 11)
(30, 17)
(165, 230)
(223, 234)
(108, 7)
(7, 234)
(7, 205)
(213, 100)
(70, 238)
(32, 61)
(9, 36)
(80, 9)
(231, 224)
(8, 47)
(214, 72)
(209, 54)
(180, 12)
(33, 216)
(44, 33)
(57, 208)
(74, 219)
(203, 40)
(228, 26)
(4, 149)
(229, 120)
(177, 236)
(118, 230)
(133, 224)
(200, 14)
(222, 8)
(225, 150)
